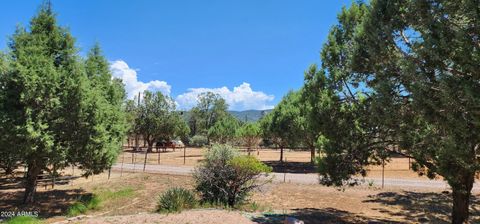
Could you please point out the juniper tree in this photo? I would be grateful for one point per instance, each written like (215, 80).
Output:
(9, 159)
(417, 64)
(104, 111)
(55, 115)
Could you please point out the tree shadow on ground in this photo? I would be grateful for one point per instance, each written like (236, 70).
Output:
(11, 183)
(291, 167)
(315, 215)
(154, 151)
(423, 207)
(190, 156)
(47, 203)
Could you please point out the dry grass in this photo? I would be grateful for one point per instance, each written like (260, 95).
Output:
(297, 161)
(311, 203)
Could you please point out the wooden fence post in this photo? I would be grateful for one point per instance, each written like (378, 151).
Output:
(53, 176)
(121, 167)
(133, 161)
(145, 161)
(383, 173)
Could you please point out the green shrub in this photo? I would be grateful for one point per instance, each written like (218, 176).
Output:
(226, 177)
(176, 200)
(198, 141)
(83, 204)
(23, 220)
(76, 209)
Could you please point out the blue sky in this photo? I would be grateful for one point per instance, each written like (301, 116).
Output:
(252, 52)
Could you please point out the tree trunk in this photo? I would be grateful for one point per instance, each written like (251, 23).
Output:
(281, 154)
(31, 182)
(312, 155)
(150, 146)
(460, 207)
(461, 199)
(136, 142)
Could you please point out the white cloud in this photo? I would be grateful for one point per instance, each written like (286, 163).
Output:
(241, 98)
(133, 86)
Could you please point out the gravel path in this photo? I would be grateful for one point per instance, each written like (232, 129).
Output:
(295, 177)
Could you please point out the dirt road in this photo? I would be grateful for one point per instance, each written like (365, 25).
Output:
(297, 178)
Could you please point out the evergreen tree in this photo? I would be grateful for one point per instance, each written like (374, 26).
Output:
(282, 124)
(224, 130)
(250, 133)
(104, 113)
(404, 74)
(51, 111)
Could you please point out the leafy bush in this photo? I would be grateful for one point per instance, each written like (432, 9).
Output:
(23, 220)
(176, 200)
(198, 141)
(226, 177)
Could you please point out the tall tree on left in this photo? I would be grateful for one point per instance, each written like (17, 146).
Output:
(61, 110)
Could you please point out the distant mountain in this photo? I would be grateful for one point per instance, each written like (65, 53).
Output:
(246, 115)
(249, 115)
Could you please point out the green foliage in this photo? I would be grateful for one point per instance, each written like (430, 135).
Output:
(76, 209)
(283, 124)
(210, 109)
(249, 165)
(10, 159)
(250, 133)
(226, 178)
(198, 141)
(84, 204)
(104, 112)
(23, 220)
(89, 202)
(176, 200)
(224, 130)
(56, 108)
(157, 119)
(402, 77)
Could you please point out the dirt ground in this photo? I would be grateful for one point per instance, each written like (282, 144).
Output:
(296, 161)
(193, 216)
(310, 203)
